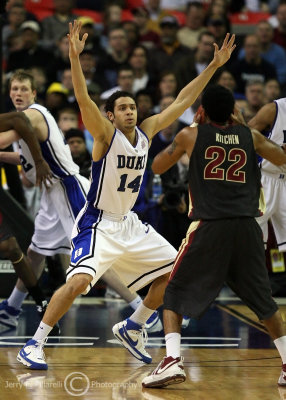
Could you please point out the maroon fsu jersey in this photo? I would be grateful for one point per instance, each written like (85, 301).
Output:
(224, 177)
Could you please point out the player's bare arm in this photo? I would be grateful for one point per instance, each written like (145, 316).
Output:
(189, 93)
(10, 157)
(99, 127)
(268, 149)
(22, 127)
(182, 143)
(263, 120)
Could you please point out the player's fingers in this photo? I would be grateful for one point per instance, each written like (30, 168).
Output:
(225, 40)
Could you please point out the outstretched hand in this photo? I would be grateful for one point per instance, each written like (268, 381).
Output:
(76, 45)
(237, 116)
(222, 55)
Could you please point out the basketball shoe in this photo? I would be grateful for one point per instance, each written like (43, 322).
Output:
(9, 315)
(56, 331)
(169, 371)
(32, 354)
(154, 324)
(134, 337)
(282, 377)
(185, 322)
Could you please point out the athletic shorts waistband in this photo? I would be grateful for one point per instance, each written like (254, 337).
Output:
(113, 217)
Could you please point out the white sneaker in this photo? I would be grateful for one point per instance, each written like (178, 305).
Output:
(282, 377)
(32, 354)
(134, 338)
(9, 315)
(169, 371)
(154, 323)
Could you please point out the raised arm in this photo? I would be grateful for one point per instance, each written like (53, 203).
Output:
(268, 149)
(189, 93)
(92, 118)
(183, 143)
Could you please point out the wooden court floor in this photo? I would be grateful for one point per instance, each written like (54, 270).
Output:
(227, 355)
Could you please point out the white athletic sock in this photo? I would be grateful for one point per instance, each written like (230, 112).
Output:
(136, 302)
(173, 343)
(16, 298)
(280, 344)
(141, 314)
(42, 331)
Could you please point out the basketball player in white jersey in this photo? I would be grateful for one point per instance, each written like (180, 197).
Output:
(60, 202)
(106, 232)
(271, 118)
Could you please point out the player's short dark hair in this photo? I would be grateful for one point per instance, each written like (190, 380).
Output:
(218, 103)
(109, 105)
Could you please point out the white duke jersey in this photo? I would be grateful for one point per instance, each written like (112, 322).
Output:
(55, 151)
(117, 177)
(277, 135)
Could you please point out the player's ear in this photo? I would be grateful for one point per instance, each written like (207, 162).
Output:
(110, 116)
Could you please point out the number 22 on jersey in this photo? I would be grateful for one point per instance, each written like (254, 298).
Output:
(217, 155)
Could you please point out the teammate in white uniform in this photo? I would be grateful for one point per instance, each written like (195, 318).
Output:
(60, 202)
(272, 118)
(106, 232)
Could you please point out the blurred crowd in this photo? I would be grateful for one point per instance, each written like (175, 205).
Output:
(151, 48)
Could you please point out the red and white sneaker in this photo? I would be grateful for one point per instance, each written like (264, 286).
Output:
(169, 371)
(282, 377)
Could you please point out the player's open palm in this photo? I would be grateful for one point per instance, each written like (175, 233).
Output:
(222, 55)
(76, 45)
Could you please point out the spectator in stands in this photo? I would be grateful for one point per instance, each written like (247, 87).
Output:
(189, 34)
(89, 67)
(67, 118)
(271, 52)
(144, 103)
(66, 81)
(132, 34)
(138, 60)
(218, 8)
(16, 16)
(117, 56)
(254, 93)
(218, 26)
(170, 51)
(272, 90)
(56, 98)
(192, 65)
(112, 17)
(41, 82)
(56, 25)
(156, 13)
(252, 66)
(60, 60)
(280, 32)
(148, 37)
(32, 53)
(125, 80)
(10, 3)
(226, 79)
(76, 141)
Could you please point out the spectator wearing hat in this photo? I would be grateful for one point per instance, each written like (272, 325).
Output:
(76, 141)
(56, 25)
(170, 51)
(147, 37)
(32, 53)
(56, 98)
(189, 34)
(15, 17)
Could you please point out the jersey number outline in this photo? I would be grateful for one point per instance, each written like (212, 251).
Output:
(25, 164)
(217, 155)
(134, 185)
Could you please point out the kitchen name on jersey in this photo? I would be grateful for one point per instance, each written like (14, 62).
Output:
(131, 162)
(227, 139)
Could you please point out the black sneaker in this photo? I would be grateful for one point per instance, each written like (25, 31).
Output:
(56, 331)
